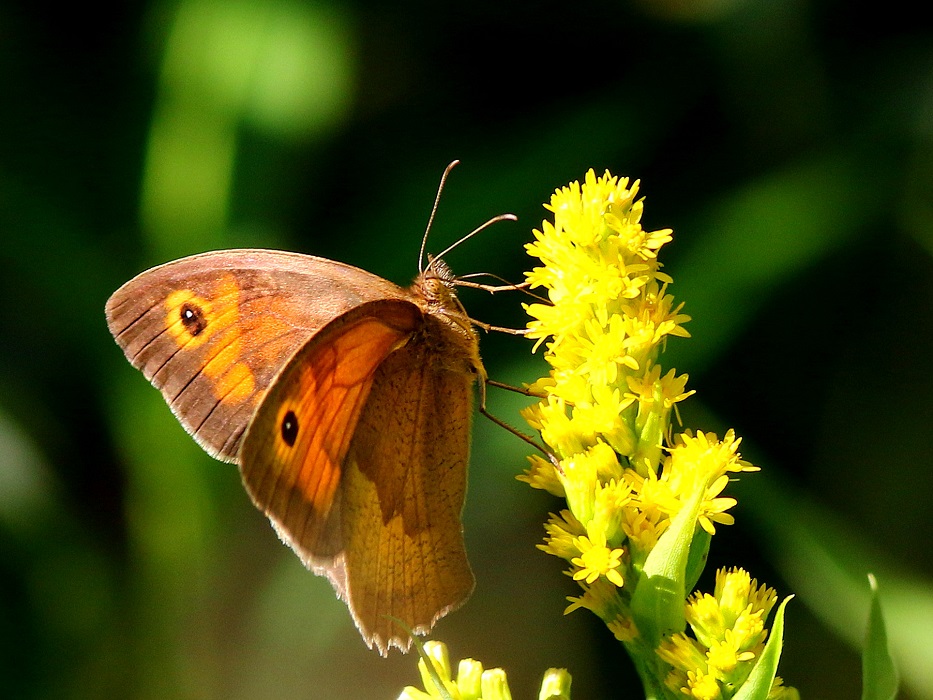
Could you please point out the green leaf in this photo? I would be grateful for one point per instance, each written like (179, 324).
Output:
(879, 674)
(696, 561)
(658, 600)
(762, 676)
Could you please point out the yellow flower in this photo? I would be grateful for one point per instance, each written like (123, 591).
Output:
(603, 349)
(602, 415)
(623, 628)
(704, 462)
(585, 473)
(596, 559)
(682, 653)
(562, 531)
(643, 529)
(702, 686)
(602, 599)
(735, 590)
(542, 475)
(559, 432)
(651, 387)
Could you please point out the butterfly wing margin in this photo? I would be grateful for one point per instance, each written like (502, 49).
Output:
(292, 459)
(212, 331)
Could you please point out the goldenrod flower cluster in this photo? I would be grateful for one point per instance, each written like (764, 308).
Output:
(641, 504)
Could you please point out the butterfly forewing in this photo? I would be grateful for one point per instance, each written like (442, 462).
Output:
(213, 331)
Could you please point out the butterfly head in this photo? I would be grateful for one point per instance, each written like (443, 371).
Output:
(436, 286)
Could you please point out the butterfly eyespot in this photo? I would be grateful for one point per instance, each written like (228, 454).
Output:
(290, 428)
(192, 318)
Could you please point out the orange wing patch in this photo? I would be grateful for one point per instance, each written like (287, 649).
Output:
(192, 320)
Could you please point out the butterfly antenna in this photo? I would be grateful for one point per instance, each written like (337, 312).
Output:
(483, 227)
(437, 199)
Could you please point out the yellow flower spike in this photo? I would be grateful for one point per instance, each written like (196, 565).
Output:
(730, 632)
(642, 503)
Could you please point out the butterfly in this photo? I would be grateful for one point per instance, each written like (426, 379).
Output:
(345, 400)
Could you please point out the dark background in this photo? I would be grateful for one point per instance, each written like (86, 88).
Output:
(788, 144)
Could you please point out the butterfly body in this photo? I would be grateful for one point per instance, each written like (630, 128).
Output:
(346, 401)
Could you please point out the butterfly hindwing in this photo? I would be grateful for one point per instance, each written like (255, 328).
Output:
(402, 497)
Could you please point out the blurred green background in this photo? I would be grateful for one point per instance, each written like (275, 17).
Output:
(789, 144)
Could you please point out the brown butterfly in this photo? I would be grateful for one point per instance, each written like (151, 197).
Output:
(345, 400)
